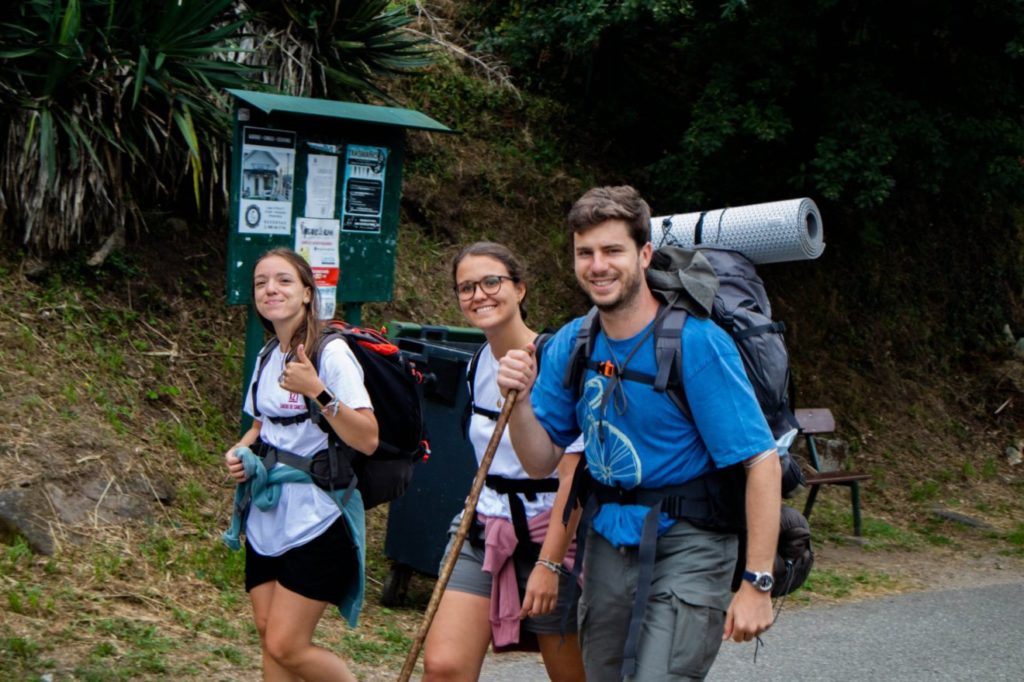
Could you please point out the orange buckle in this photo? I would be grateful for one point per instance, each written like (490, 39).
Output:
(606, 368)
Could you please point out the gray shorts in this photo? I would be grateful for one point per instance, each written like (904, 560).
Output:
(469, 576)
(685, 614)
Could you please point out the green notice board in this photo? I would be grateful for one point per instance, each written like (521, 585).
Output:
(323, 178)
(302, 187)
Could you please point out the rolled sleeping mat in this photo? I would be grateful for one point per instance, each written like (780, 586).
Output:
(773, 232)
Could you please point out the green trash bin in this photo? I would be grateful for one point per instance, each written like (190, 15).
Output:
(417, 529)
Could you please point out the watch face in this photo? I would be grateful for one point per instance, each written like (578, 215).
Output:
(762, 581)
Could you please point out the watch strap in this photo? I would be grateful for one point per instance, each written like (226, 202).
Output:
(763, 582)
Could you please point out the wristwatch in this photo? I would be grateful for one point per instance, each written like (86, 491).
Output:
(762, 582)
(325, 398)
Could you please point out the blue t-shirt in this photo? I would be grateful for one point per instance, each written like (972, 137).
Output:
(638, 437)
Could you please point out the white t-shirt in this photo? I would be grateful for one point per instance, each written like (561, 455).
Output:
(304, 510)
(505, 463)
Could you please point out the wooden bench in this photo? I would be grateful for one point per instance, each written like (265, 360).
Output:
(819, 420)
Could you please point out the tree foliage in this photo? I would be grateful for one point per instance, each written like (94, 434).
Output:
(747, 100)
(904, 121)
(105, 100)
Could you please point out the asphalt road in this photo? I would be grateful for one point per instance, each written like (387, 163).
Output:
(964, 634)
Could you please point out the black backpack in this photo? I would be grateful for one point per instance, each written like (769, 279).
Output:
(390, 378)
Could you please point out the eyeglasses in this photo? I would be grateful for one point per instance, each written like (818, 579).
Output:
(489, 285)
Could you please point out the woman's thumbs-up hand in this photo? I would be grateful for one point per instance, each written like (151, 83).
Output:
(300, 376)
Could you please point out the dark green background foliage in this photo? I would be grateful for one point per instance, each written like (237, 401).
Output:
(745, 101)
(903, 120)
(352, 44)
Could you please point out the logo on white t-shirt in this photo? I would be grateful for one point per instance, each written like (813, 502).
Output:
(295, 402)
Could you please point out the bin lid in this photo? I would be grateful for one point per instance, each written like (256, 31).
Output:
(269, 102)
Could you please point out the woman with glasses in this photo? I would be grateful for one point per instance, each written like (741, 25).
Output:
(511, 582)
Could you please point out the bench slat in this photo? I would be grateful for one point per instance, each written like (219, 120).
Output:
(836, 477)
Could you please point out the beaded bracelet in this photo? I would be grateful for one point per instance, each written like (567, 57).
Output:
(552, 566)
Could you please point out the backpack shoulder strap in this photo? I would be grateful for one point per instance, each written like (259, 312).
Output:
(576, 369)
(261, 362)
(538, 345)
(329, 333)
(471, 406)
(474, 362)
(668, 346)
(668, 349)
(541, 341)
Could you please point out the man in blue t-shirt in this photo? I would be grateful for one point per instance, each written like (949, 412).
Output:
(638, 440)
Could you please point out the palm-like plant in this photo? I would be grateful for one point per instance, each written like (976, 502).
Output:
(105, 101)
(334, 49)
(107, 106)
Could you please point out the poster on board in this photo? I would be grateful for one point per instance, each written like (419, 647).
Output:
(321, 183)
(316, 240)
(268, 175)
(363, 193)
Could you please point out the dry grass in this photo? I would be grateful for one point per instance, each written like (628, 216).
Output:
(118, 392)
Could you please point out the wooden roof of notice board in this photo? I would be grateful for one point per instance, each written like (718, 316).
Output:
(352, 111)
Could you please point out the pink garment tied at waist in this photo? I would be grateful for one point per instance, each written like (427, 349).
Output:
(499, 544)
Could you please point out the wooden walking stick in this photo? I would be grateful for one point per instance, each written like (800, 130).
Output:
(468, 513)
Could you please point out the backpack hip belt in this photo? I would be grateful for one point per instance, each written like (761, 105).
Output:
(263, 481)
(323, 472)
(289, 421)
(692, 501)
(703, 502)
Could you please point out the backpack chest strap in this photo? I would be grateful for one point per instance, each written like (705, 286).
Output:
(484, 412)
(668, 350)
(289, 421)
(606, 369)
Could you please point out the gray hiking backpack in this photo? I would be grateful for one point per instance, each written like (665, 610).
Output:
(724, 286)
(742, 309)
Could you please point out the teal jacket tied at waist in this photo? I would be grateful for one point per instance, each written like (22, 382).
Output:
(263, 488)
